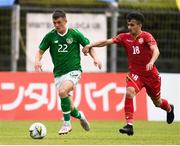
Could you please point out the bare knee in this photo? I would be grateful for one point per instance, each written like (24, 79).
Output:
(130, 92)
(157, 102)
(62, 93)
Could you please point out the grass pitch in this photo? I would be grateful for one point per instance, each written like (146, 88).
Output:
(102, 132)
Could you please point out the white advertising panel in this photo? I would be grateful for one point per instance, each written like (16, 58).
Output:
(170, 90)
(93, 26)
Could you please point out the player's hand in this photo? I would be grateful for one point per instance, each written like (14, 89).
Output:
(38, 67)
(86, 50)
(149, 66)
(98, 63)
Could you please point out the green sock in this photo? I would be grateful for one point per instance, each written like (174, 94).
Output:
(66, 108)
(75, 113)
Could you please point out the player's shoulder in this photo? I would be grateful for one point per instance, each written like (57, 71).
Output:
(146, 34)
(124, 34)
(73, 31)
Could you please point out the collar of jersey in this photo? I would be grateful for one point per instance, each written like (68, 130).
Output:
(63, 33)
(135, 38)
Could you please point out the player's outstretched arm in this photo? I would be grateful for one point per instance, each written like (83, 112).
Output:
(103, 43)
(38, 57)
(155, 54)
(96, 60)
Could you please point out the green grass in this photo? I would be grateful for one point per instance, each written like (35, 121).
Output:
(102, 132)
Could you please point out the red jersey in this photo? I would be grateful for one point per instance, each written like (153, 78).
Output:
(137, 50)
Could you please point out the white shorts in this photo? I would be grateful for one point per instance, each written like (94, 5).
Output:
(73, 76)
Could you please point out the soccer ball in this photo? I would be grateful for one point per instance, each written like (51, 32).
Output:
(37, 131)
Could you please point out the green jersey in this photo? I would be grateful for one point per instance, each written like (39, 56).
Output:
(64, 50)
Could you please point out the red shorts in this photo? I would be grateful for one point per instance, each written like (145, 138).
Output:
(152, 83)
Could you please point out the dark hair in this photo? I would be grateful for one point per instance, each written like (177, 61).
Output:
(136, 16)
(58, 13)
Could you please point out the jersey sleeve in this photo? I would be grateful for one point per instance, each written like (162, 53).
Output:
(150, 39)
(118, 39)
(45, 43)
(82, 39)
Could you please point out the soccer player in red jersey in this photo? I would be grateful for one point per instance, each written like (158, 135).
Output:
(142, 52)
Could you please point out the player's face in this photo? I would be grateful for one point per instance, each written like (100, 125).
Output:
(134, 27)
(60, 24)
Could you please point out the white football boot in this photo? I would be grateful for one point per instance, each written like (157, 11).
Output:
(84, 123)
(66, 128)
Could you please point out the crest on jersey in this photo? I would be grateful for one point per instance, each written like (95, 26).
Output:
(69, 40)
(141, 40)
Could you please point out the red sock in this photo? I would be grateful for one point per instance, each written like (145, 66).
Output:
(165, 105)
(129, 110)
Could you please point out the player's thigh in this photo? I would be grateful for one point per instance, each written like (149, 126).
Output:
(74, 77)
(133, 84)
(67, 86)
(68, 80)
(71, 79)
(58, 81)
(64, 87)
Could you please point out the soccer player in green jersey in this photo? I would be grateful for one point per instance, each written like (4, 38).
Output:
(64, 47)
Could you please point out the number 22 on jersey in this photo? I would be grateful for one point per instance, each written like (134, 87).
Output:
(62, 48)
